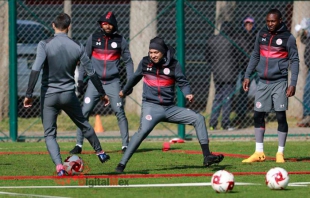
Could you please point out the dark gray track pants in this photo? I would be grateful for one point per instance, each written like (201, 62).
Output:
(152, 114)
(92, 97)
(51, 105)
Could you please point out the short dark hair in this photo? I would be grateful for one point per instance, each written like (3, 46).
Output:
(62, 21)
(275, 11)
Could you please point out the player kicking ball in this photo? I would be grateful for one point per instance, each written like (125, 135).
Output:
(58, 57)
(160, 73)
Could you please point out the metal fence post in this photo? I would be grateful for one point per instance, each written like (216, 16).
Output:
(12, 70)
(180, 56)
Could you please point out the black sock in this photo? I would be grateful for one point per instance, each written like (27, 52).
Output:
(205, 149)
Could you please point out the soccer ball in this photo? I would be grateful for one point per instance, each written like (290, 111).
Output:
(73, 165)
(277, 178)
(222, 181)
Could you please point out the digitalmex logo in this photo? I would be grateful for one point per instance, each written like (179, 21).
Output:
(82, 180)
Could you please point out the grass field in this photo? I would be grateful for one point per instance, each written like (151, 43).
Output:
(28, 164)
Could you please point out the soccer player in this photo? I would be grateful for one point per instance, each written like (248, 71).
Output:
(274, 50)
(105, 49)
(58, 57)
(161, 73)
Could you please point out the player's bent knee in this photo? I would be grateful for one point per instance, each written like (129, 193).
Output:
(199, 117)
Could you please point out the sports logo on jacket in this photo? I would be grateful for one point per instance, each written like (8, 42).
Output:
(149, 67)
(114, 45)
(166, 71)
(264, 37)
(279, 41)
(98, 42)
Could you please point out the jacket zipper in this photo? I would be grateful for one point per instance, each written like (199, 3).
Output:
(105, 59)
(158, 87)
(267, 58)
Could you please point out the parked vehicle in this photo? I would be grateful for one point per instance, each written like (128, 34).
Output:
(29, 34)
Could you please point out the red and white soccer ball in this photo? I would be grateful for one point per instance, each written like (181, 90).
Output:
(222, 181)
(73, 165)
(277, 178)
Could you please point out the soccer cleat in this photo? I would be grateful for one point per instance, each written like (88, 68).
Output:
(256, 157)
(120, 168)
(280, 158)
(62, 173)
(76, 150)
(103, 157)
(124, 149)
(212, 159)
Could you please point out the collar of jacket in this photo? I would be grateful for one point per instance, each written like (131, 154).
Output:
(61, 34)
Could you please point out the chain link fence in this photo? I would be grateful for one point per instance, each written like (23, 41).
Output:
(139, 21)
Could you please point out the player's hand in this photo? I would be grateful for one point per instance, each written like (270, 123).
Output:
(121, 94)
(190, 97)
(106, 100)
(290, 91)
(28, 102)
(245, 84)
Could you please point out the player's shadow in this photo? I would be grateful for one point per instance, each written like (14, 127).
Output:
(145, 150)
(297, 159)
(212, 168)
(5, 164)
(154, 149)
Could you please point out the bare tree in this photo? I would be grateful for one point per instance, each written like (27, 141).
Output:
(224, 11)
(143, 27)
(300, 10)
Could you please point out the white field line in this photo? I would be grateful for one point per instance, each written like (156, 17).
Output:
(299, 184)
(125, 186)
(29, 195)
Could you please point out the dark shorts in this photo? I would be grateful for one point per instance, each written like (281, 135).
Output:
(270, 97)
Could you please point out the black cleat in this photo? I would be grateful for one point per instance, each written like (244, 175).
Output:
(62, 173)
(120, 168)
(76, 150)
(103, 157)
(212, 159)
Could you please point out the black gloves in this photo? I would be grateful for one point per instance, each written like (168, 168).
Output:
(80, 87)
(129, 92)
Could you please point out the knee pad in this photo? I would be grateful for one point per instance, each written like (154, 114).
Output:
(282, 123)
(259, 119)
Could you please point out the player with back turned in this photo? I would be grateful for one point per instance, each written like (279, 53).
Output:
(58, 57)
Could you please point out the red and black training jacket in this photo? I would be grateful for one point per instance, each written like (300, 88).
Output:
(106, 53)
(273, 54)
(159, 80)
